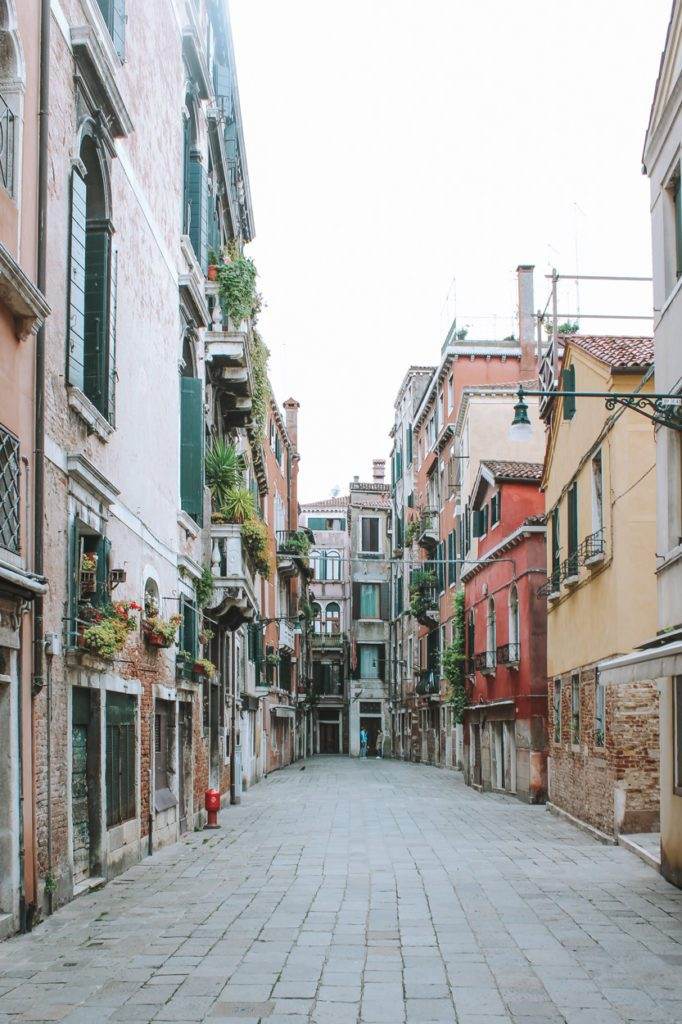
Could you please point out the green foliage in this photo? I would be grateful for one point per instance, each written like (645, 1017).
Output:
(203, 587)
(166, 629)
(297, 544)
(260, 397)
(411, 532)
(422, 589)
(239, 506)
(225, 468)
(50, 884)
(461, 334)
(106, 638)
(568, 327)
(255, 540)
(453, 661)
(272, 659)
(237, 281)
(204, 667)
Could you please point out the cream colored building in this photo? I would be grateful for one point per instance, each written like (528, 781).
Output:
(600, 507)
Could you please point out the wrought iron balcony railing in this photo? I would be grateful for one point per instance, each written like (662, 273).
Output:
(570, 568)
(592, 548)
(7, 122)
(9, 491)
(486, 662)
(553, 585)
(428, 682)
(508, 654)
(428, 532)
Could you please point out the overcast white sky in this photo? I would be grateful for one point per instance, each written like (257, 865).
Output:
(398, 146)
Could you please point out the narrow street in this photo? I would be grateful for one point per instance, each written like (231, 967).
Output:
(363, 891)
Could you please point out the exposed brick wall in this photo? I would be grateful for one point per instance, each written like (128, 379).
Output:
(615, 789)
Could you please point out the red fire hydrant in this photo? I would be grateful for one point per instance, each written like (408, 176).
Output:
(212, 805)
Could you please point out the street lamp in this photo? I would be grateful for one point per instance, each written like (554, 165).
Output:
(665, 410)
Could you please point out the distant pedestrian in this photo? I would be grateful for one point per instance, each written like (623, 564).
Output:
(380, 744)
(363, 742)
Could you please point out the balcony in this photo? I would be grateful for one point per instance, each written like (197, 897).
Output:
(486, 662)
(287, 635)
(427, 683)
(592, 549)
(293, 547)
(6, 147)
(551, 589)
(569, 572)
(233, 601)
(428, 534)
(424, 605)
(9, 492)
(328, 641)
(228, 362)
(508, 654)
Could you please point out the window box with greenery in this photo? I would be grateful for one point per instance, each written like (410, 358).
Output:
(233, 503)
(104, 631)
(423, 597)
(204, 668)
(160, 632)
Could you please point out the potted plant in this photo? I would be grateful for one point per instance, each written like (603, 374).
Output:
(213, 261)
(160, 632)
(225, 468)
(204, 667)
(239, 506)
(237, 277)
(205, 636)
(272, 659)
(88, 577)
(255, 540)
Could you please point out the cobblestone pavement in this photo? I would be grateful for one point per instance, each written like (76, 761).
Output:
(363, 891)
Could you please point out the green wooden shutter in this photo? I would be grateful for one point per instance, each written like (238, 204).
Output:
(76, 329)
(197, 198)
(356, 601)
(477, 523)
(382, 662)
(409, 440)
(97, 284)
(189, 640)
(555, 540)
(678, 224)
(317, 523)
(568, 384)
(572, 519)
(111, 367)
(74, 581)
(101, 596)
(384, 602)
(192, 448)
(222, 87)
(118, 26)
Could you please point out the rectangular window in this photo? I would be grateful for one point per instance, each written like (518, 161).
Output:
(9, 491)
(556, 547)
(557, 710)
(597, 491)
(452, 558)
(370, 534)
(114, 14)
(599, 713)
(120, 757)
(677, 206)
(410, 655)
(371, 661)
(451, 393)
(573, 525)
(575, 709)
(495, 509)
(409, 439)
(369, 600)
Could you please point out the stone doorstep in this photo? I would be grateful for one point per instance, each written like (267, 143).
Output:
(646, 846)
(601, 837)
(90, 884)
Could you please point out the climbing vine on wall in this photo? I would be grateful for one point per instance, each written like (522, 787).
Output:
(453, 661)
(261, 385)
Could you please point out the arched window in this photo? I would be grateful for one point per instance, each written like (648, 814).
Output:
(332, 618)
(317, 620)
(491, 641)
(11, 98)
(92, 283)
(471, 635)
(333, 568)
(317, 564)
(513, 624)
(152, 603)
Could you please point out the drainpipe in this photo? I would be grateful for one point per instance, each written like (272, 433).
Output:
(39, 473)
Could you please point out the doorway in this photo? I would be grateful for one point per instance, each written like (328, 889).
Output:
(329, 737)
(185, 759)
(476, 731)
(84, 772)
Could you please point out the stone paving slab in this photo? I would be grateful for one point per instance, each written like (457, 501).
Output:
(363, 892)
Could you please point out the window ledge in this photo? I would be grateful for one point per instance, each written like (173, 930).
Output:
(594, 560)
(571, 581)
(186, 523)
(672, 557)
(92, 417)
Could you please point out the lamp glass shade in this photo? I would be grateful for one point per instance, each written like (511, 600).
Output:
(520, 429)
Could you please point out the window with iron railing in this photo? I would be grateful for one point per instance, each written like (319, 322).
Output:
(7, 132)
(9, 491)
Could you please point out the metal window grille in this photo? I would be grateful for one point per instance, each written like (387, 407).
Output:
(9, 491)
(7, 122)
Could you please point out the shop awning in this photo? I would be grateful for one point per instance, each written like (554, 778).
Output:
(655, 662)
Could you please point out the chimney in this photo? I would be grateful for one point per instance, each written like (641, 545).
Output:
(356, 479)
(291, 407)
(379, 470)
(528, 368)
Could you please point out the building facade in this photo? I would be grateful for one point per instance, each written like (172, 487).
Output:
(603, 761)
(369, 522)
(505, 624)
(23, 310)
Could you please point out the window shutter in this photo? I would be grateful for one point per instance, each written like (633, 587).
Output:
(365, 534)
(222, 86)
(197, 199)
(74, 580)
(477, 523)
(357, 592)
(317, 523)
(573, 519)
(113, 299)
(555, 539)
(191, 448)
(102, 575)
(678, 223)
(410, 442)
(76, 338)
(97, 284)
(385, 602)
(569, 385)
(118, 26)
(382, 662)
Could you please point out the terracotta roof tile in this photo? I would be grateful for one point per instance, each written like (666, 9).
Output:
(339, 502)
(618, 352)
(514, 470)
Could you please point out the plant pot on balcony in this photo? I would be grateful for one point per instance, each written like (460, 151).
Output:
(156, 640)
(212, 272)
(88, 581)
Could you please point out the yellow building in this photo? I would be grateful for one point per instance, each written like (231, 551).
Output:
(600, 501)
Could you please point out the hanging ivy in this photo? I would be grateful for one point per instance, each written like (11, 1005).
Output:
(261, 384)
(204, 587)
(453, 662)
(237, 281)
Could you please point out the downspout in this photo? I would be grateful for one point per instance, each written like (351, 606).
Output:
(39, 454)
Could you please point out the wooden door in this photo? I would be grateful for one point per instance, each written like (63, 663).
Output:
(185, 759)
(80, 721)
(329, 738)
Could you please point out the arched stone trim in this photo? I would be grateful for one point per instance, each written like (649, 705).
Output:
(12, 88)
